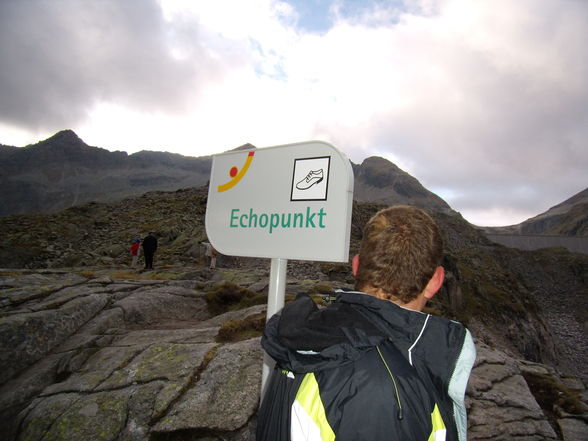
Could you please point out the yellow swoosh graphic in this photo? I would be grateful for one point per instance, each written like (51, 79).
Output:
(228, 185)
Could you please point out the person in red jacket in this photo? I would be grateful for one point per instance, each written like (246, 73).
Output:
(135, 249)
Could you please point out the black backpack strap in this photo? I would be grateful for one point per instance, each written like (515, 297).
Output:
(273, 418)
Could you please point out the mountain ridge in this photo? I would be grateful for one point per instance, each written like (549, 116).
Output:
(63, 171)
(568, 218)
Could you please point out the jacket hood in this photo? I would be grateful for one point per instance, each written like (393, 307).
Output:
(304, 338)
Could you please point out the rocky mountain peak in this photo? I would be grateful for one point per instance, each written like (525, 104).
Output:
(66, 135)
(63, 171)
(246, 146)
(379, 180)
(66, 140)
(377, 162)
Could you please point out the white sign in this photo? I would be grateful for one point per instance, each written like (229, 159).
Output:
(289, 202)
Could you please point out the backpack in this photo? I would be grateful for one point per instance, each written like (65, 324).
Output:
(376, 394)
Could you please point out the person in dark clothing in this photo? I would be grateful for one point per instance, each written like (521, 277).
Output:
(371, 366)
(149, 248)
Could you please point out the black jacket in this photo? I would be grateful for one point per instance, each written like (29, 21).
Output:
(149, 244)
(377, 371)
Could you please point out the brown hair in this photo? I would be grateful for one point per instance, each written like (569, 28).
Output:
(400, 250)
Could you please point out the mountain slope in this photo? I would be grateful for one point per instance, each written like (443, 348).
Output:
(569, 218)
(63, 171)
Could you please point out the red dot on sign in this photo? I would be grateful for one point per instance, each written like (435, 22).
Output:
(233, 172)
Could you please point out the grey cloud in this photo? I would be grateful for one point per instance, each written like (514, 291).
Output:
(59, 58)
(518, 134)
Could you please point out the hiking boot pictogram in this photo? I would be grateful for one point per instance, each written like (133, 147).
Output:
(312, 178)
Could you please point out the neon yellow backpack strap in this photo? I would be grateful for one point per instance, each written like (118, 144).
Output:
(309, 420)
(438, 431)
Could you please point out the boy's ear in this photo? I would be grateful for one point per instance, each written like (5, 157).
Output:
(355, 264)
(435, 283)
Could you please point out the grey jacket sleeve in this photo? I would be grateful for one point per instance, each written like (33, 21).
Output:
(458, 383)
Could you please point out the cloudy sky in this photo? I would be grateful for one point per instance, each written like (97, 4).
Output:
(485, 102)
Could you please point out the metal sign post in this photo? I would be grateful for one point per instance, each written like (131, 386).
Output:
(275, 302)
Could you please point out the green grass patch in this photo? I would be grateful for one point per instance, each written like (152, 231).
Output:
(207, 359)
(11, 273)
(552, 395)
(238, 330)
(229, 296)
(490, 292)
(320, 288)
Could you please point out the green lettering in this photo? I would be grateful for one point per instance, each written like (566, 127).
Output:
(309, 218)
(252, 218)
(321, 215)
(298, 216)
(263, 220)
(274, 221)
(286, 224)
(233, 217)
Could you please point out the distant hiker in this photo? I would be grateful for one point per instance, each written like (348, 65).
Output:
(371, 366)
(149, 248)
(135, 249)
(211, 255)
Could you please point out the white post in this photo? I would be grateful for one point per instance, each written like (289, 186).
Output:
(275, 302)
